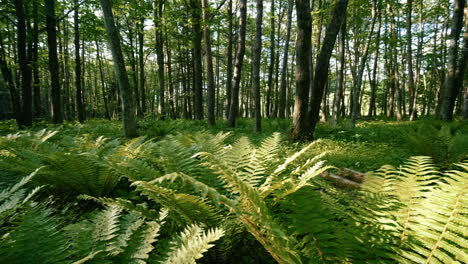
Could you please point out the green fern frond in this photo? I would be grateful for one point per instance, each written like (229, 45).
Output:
(440, 227)
(35, 239)
(189, 208)
(191, 245)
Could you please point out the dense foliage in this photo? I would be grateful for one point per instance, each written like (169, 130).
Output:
(168, 199)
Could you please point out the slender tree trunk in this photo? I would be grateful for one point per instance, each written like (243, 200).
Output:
(238, 64)
(195, 10)
(341, 68)
(272, 61)
(24, 66)
(209, 64)
(158, 16)
(301, 125)
(451, 84)
(323, 61)
(409, 55)
(103, 86)
(373, 82)
(10, 83)
(35, 57)
(53, 61)
(257, 50)
(141, 62)
(128, 110)
(284, 69)
(229, 61)
(79, 92)
(355, 111)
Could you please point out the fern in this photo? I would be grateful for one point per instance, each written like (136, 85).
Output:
(191, 244)
(35, 239)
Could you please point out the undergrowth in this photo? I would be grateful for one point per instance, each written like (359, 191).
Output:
(220, 196)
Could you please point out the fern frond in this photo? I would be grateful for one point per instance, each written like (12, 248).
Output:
(193, 242)
(440, 227)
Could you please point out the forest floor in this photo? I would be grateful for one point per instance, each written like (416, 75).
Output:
(369, 146)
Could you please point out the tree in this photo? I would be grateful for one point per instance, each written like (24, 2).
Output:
(272, 59)
(284, 69)
(451, 86)
(301, 129)
(158, 14)
(323, 61)
(356, 107)
(239, 63)
(195, 10)
(257, 51)
(78, 83)
(209, 64)
(53, 62)
(126, 95)
(25, 116)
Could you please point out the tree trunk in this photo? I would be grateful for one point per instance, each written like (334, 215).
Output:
(272, 60)
(103, 87)
(257, 50)
(341, 68)
(79, 92)
(128, 111)
(195, 10)
(141, 62)
(452, 86)
(239, 63)
(25, 119)
(10, 83)
(209, 64)
(373, 82)
(229, 61)
(323, 61)
(158, 15)
(284, 69)
(301, 129)
(462, 77)
(53, 61)
(356, 109)
(35, 57)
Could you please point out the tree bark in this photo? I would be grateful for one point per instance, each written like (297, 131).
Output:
(128, 111)
(301, 129)
(356, 109)
(323, 61)
(257, 50)
(51, 26)
(238, 64)
(284, 69)
(141, 63)
(158, 14)
(209, 64)
(451, 85)
(195, 10)
(79, 92)
(229, 61)
(272, 61)
(25, 119)
(341, 68)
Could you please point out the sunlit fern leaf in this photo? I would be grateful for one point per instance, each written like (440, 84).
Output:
(36, 238)
(191, 245)
(139, 244)
(441, 224)
(188, 208)
(414, 181)
(141, 209)
(96, 234)
(16, 195)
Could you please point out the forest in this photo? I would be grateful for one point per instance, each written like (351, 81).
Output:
(233, 131)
